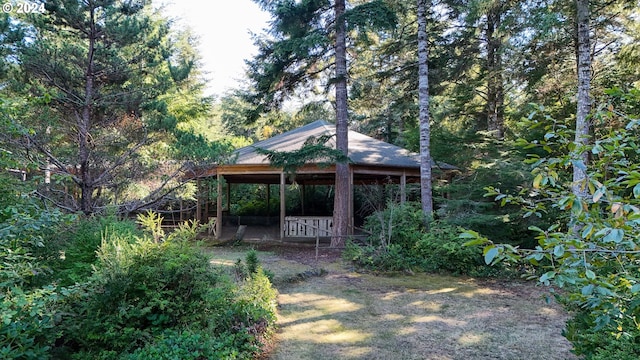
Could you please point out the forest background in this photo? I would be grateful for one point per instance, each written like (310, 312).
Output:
(103, 112)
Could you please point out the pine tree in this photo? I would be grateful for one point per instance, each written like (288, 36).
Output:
(307, 46)
(99, 69)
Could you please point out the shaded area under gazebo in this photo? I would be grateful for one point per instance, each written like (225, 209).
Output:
(371, 162)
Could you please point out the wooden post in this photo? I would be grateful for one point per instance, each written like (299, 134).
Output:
(219, 208)
(302, 189)
(351, 225)
(269, 201)
(403, 187)
(283, 206)
(198, 203)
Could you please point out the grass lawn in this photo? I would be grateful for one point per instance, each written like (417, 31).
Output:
(349, 315)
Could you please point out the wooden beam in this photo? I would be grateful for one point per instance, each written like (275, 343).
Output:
(403, 188)
(198, 203)
(351, 224)
(219, 208)
(283, 206)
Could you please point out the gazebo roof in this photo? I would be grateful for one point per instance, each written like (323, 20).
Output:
(363, 149)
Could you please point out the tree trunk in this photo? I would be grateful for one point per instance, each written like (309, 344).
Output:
(495, 86)
(423, 102)
(583, 57)
(84, 125)
(342, 194)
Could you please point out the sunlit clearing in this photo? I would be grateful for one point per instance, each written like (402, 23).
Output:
(431, 319)
(222, 262)
(325, 331)
(480, 291)
(548, 311)
(431, 306)
(357, 352)
(410, 330)
(441, 291)
(320, 302)
(471, 339)
(391, 295)
(392, 317)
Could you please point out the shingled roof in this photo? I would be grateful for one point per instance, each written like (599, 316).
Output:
(363, 149)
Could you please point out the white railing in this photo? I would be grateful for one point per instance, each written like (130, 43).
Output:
(308, 226)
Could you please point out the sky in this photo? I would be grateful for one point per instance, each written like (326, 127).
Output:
(223, 28)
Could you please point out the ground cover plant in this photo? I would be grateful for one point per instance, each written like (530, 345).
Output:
(151, 295)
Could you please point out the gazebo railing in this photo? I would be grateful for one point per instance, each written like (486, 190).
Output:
(308, 226)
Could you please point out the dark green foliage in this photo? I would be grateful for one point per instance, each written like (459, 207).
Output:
(189, 345)
(71, 254)
(607, 343)
(149, 297)
(27, 312)
(590, 248)
(252, 261)
(28, 328)
(443, 251)
(403, 243)
(140, 290)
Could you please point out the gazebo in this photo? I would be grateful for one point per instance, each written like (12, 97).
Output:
(371, 161)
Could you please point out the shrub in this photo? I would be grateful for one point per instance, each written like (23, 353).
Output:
(400, 242)
(150, 296)
(71, 254)
(595, 342)
(141, 289)
(399, 224)
(28, 326)
(442, 250)
(189, 345)
(27, 312)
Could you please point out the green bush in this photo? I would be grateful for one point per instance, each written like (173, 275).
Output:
(399, 224)
(27, 321)
(144, 291)
(442, 250)
(400, 242)
(27, 311)
(188, 345)
(71, 254)
(141, 289)
(595, 342)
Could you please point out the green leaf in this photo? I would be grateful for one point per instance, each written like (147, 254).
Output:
(536, 181)
(587, 230)
(615, 235)
(558, 250)
(547, 276)
(587, 289)
(590, 274)
(635, 288)
(535, 228)
(490, 254)
(636, 191)
(469, 234)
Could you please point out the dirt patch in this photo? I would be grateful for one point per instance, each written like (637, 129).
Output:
(302, 253)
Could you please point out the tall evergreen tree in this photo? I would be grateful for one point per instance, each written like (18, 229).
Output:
(308, 42)
(99, 69)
